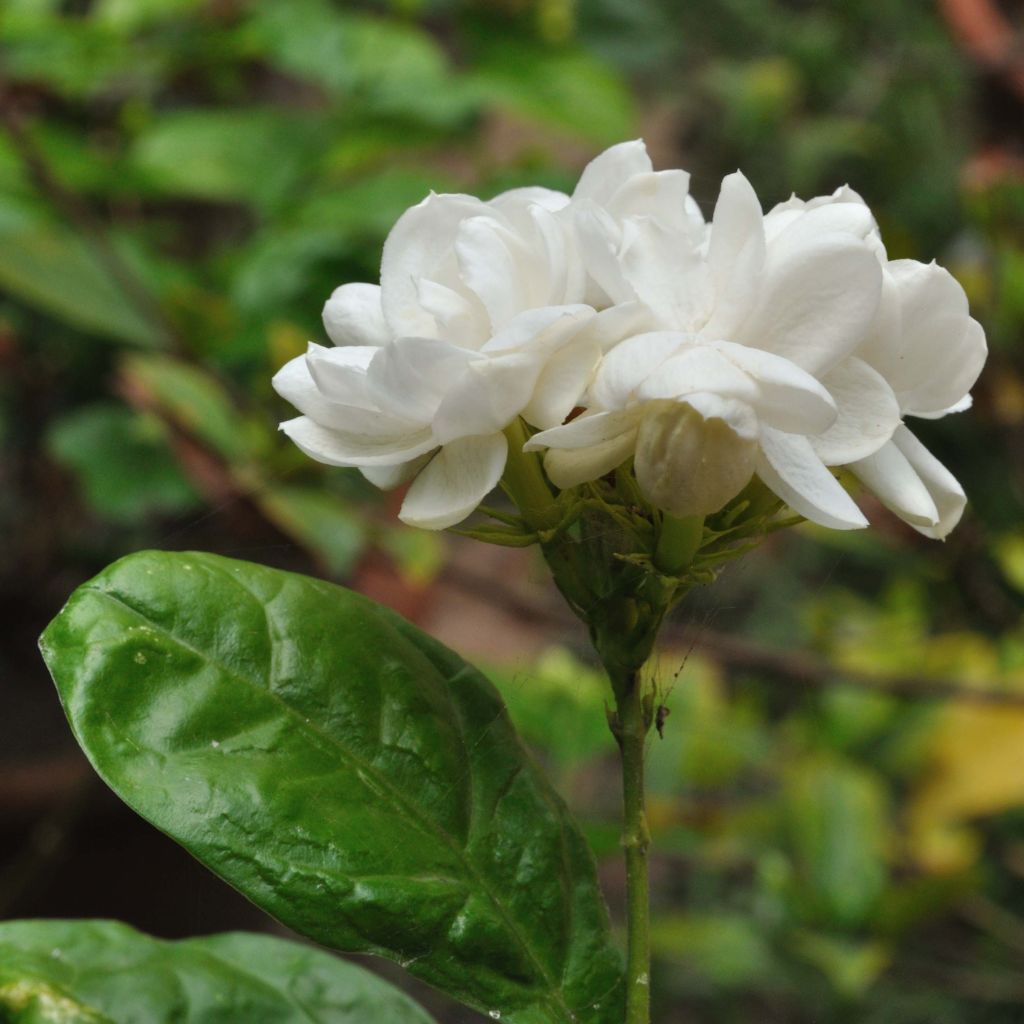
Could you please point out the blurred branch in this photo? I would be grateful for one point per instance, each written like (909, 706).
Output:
(79, 214)
(741, 655)
(995, 920)
(797, 666)
(988, 36)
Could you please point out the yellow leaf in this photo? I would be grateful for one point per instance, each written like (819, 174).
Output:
(977, 770)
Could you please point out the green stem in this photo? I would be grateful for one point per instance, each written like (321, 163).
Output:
(525, 483)
(632, 725)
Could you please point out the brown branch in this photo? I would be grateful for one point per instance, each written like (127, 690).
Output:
(736, 654)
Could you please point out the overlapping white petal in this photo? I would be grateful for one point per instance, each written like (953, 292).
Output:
(353, 315)
(911, 482)
(455, 481)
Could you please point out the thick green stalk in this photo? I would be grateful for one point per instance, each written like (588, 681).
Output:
(632, 725)
(525, 482)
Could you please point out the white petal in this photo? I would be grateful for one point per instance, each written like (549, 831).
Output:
(340, 373)
(963, 405)
(454, 482)
(698, 368)
(845, 218)
(631, 362)
(421, 244)
(600, 238)
(460, 316)
(561, 383)
(788, 398)
(350, 449)
(498, 385)
(892, 481)
(353, 316)
(544, 329)
(788, 466)
(736, 254)
(294, 383)
(540, 218)
(868, 413)
(666, 271)
(889, 476)
(815, 303)
(411, 376)
(515, 200)
(568, 467)
(613, 325)
(497, 267)
(931, 351)
(605, 174)
(389, 477)
(659, 194)
(557, 266)
(488, 395)
(693, 457)
(592, 428)
(944, 488)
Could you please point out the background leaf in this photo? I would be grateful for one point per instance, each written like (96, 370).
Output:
(258, 155)
(50, 268)
(123, 463)
(349, 774)
(102, 972)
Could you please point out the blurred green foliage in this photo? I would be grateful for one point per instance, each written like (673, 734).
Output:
(183, 183)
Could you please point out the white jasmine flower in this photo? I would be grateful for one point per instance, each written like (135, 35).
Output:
(781, 301)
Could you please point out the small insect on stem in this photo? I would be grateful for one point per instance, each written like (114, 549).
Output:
(659, 719)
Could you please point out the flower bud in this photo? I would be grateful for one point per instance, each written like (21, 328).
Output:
(693, 457)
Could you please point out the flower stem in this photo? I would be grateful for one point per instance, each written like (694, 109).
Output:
(525, 482)
(632, 724)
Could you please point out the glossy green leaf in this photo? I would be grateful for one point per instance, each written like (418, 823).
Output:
(348, 773)
(102, 972)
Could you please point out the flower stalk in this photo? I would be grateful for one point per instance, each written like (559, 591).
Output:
(631, 724)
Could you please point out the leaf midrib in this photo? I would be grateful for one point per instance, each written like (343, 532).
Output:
(416, 815)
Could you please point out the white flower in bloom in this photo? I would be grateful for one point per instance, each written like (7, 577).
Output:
(477, 320)
(760, 317)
